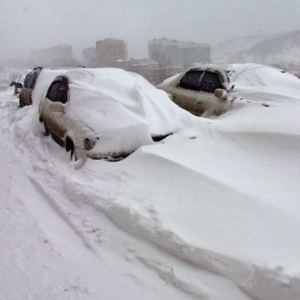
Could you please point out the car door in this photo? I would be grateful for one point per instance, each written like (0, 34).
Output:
(186, 91)
(26, 90)
(57, 93)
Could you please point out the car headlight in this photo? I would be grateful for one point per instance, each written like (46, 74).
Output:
(88, 144)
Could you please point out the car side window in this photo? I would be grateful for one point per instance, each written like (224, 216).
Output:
(32, 80)
(211, 82)
(191, 80)
(58, 91)
(62, 93)
(52, 91)
(27, 80)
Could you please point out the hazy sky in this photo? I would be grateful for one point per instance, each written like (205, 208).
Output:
(28, 24)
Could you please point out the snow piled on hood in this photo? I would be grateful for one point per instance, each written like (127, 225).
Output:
(212, 212)
(123, 108)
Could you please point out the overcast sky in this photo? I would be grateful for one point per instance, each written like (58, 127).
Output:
(29, 24)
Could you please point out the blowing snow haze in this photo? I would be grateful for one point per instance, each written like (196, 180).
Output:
(32, 24)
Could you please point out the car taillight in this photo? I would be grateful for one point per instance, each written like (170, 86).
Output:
(30, 99)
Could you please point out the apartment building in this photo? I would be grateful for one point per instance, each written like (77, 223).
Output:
(110, 50)
(178, 54)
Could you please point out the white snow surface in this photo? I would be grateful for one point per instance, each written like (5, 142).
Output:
(211, 212)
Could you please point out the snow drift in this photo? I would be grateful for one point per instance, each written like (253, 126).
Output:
(211, 212)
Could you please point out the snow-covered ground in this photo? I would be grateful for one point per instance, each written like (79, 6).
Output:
(211, 212)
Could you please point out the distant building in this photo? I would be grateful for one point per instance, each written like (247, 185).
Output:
(110, 50)
(89, 57)
(149, 69)
(57, 56)
(177, 53)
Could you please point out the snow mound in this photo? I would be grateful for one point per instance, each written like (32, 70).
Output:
(212, 211)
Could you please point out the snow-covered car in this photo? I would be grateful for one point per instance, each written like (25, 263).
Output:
(25, 97)
(201, 89)
(107, 113)
(19, 81)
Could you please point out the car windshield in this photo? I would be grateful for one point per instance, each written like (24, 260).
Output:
(191, 80)
(210, 82)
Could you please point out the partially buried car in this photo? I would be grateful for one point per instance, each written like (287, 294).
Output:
(25, 97)
(107, 113)
(19, 81)
(202, 89)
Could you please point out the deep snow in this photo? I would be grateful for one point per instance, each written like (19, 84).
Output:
(211, 212)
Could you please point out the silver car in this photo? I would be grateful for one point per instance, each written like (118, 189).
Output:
(25, 95)
(201, 89)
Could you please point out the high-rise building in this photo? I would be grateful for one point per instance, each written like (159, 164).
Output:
(177, 53)
(110, 50)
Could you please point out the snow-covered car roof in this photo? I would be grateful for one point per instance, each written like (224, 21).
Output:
(221, 69)
(123, 108)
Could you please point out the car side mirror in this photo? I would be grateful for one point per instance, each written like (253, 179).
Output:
(221, 94)
(16, 84)
(19, 85)
(57, 107)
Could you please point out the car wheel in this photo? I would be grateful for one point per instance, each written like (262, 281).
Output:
(73, 155)
(21, 104)
(71, 147)
(46, 133)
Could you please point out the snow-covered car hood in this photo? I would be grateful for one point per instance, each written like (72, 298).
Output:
(123, 108)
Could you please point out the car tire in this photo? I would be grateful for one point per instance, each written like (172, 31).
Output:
(73, 154)
(21, 104)
(46, 132)
(71, 147)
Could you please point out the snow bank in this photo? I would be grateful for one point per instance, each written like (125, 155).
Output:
(222, 195)
(212, 210)
(268, 85)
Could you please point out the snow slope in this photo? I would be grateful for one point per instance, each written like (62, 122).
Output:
(279, 49)
(211, 212)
